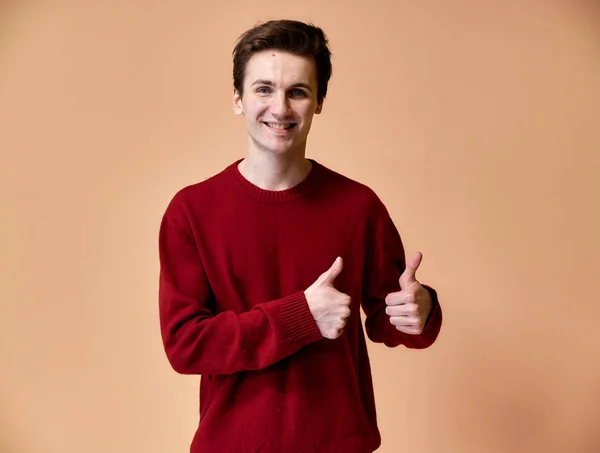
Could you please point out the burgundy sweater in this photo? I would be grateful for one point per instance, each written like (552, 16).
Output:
(235, 260)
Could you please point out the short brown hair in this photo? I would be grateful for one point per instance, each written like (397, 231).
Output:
(290, 36)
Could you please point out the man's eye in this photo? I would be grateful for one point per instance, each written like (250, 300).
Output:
(263, 90)
(298, 92)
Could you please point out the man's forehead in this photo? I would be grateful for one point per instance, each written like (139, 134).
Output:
(280, 67)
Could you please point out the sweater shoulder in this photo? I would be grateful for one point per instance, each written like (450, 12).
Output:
(361, 195)
(190, 199)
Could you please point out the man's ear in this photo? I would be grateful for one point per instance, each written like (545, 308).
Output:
(238, 107)
(319, 107)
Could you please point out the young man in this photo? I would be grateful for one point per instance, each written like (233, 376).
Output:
(266, 265)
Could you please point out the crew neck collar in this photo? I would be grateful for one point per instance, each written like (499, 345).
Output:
(274, 196)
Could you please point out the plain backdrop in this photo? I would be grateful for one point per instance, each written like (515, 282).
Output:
(476, 122)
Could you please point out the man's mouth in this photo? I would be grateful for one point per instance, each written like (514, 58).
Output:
(281, 127)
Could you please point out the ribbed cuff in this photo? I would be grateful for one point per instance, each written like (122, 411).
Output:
(433, 324)
(298, 320)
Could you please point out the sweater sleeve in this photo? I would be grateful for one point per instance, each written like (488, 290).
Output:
(385, 263)
(198, 341)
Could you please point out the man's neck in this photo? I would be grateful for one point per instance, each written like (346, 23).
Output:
(274, 172)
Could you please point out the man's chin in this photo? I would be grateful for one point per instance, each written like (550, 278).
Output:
(281, 149)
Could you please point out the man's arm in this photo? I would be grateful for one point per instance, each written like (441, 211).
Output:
(196, 340)
(385, 264)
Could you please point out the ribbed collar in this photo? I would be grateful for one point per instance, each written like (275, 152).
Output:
(274, 196)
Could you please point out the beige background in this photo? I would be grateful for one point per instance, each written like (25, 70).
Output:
(476, 122)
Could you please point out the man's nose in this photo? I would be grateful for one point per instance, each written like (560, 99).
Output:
(281, 105)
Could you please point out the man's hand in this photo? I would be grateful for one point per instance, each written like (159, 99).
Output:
(409, 308)
(329, 307)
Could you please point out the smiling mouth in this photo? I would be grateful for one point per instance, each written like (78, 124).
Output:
(280, 127)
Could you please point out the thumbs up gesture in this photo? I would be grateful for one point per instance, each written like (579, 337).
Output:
(409, 308)
(329, 307)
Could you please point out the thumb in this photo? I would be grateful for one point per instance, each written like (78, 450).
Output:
(408, 276)
(330, 274)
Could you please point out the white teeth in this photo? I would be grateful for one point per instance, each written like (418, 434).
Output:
(279, 126)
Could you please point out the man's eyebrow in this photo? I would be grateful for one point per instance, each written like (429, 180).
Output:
(303, 85)
(270, 84)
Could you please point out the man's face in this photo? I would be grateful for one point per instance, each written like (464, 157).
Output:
(280, 99)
